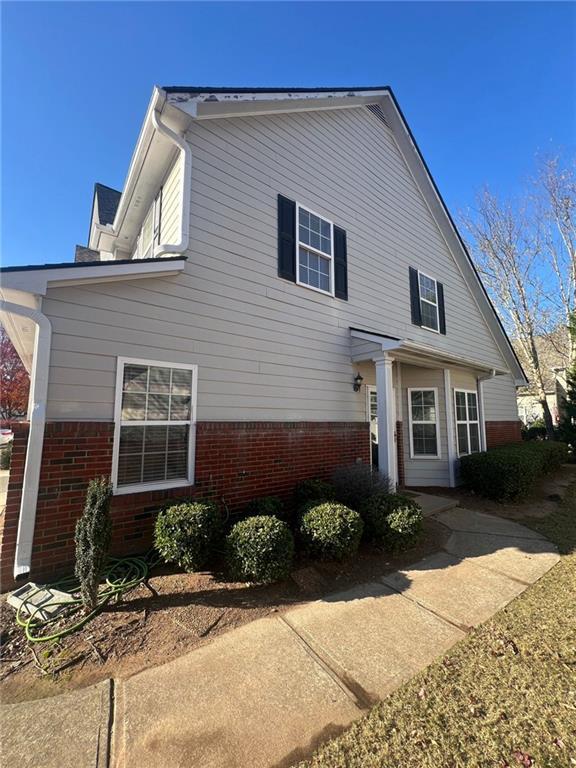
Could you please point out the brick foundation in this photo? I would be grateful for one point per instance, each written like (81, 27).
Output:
(502, 433)
(235, 462)
(400, 453)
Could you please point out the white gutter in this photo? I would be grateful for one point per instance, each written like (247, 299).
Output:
(480, 381)
(37, 419)
(185, 185)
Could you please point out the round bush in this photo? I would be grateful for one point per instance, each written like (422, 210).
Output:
(331, 530)
(185, 534)
(313, 489)
(392, 519)
(260, 549)
(266, 505)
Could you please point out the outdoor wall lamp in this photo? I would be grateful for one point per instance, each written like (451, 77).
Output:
(358, 382)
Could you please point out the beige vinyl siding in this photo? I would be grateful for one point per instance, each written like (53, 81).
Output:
(172, 204)
(266, 348)
(500, 399)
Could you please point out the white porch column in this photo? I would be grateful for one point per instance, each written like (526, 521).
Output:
(450, 427)
(386, 412)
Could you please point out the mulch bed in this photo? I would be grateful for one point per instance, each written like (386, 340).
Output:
(188, 609)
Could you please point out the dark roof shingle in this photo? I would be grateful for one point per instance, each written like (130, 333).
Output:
(108, 200)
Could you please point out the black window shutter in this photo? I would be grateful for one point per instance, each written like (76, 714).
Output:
(340, 264)
(286, 238)
(441, 312)
(415, 297)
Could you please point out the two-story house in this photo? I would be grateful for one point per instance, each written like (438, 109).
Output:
(278, 288)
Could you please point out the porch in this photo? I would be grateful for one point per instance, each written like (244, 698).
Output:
(425, 408)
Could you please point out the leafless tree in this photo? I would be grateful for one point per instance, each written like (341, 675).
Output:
(555, 195)
(507, 249)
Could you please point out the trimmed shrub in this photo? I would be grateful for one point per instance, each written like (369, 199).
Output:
(186, 534)
(6, 456)
(330, 530)
(392, 520)
(355, 484)
(313, 489)
(510, 472)
(92, 538)
(266, 505)
(260, 549)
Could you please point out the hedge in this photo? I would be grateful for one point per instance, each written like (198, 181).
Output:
(510, 472)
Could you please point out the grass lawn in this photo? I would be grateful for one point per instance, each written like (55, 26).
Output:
(504, 697)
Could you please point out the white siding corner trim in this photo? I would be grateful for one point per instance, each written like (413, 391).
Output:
(118, 423)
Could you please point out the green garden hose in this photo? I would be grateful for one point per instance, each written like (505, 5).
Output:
(122, 574)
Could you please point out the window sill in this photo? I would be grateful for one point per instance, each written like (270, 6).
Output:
(313, 288)
(145, 487)
(425, 458)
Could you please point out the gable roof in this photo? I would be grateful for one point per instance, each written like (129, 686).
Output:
(205, 104)
(108, 200)
(553, 352)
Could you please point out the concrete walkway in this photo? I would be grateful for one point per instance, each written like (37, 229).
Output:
(267, 693)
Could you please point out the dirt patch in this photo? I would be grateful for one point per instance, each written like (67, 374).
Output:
(542, 502)
(188, 609)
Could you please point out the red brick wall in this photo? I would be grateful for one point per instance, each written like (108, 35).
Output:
(234, 462)
(400, 453)
(502, 432)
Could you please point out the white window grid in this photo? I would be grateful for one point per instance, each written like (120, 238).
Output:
(468, 421)
(429, 302)
(119, 422)
(413, 421)
(329, 256)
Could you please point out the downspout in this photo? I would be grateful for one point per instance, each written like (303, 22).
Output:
(37, 419)
(164, 249)
(480, 382)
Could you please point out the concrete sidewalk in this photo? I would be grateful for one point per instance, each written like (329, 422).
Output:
(267, 693)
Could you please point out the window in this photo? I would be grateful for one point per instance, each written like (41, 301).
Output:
(155, 415)
(315, 267)
(428, 302)
(149, 235)
(423, 412)
(467, 422)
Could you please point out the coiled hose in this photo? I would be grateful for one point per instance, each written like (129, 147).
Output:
(121, 575)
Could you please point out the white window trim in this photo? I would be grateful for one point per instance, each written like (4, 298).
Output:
(370, 390)
(307, 247)
(156, 210)
(427, 301)
(417, 456)
(118, 423)
(467, 421)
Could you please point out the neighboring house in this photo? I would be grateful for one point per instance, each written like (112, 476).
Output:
(278, 286)
(552, 351)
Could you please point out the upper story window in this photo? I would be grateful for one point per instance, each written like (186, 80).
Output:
(428, 302)
(149, 235)
(155, 415)
(315, 251)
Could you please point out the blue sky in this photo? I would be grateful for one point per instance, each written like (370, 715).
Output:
(484, 86)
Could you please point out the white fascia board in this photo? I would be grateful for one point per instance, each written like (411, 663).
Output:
(38, 281)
